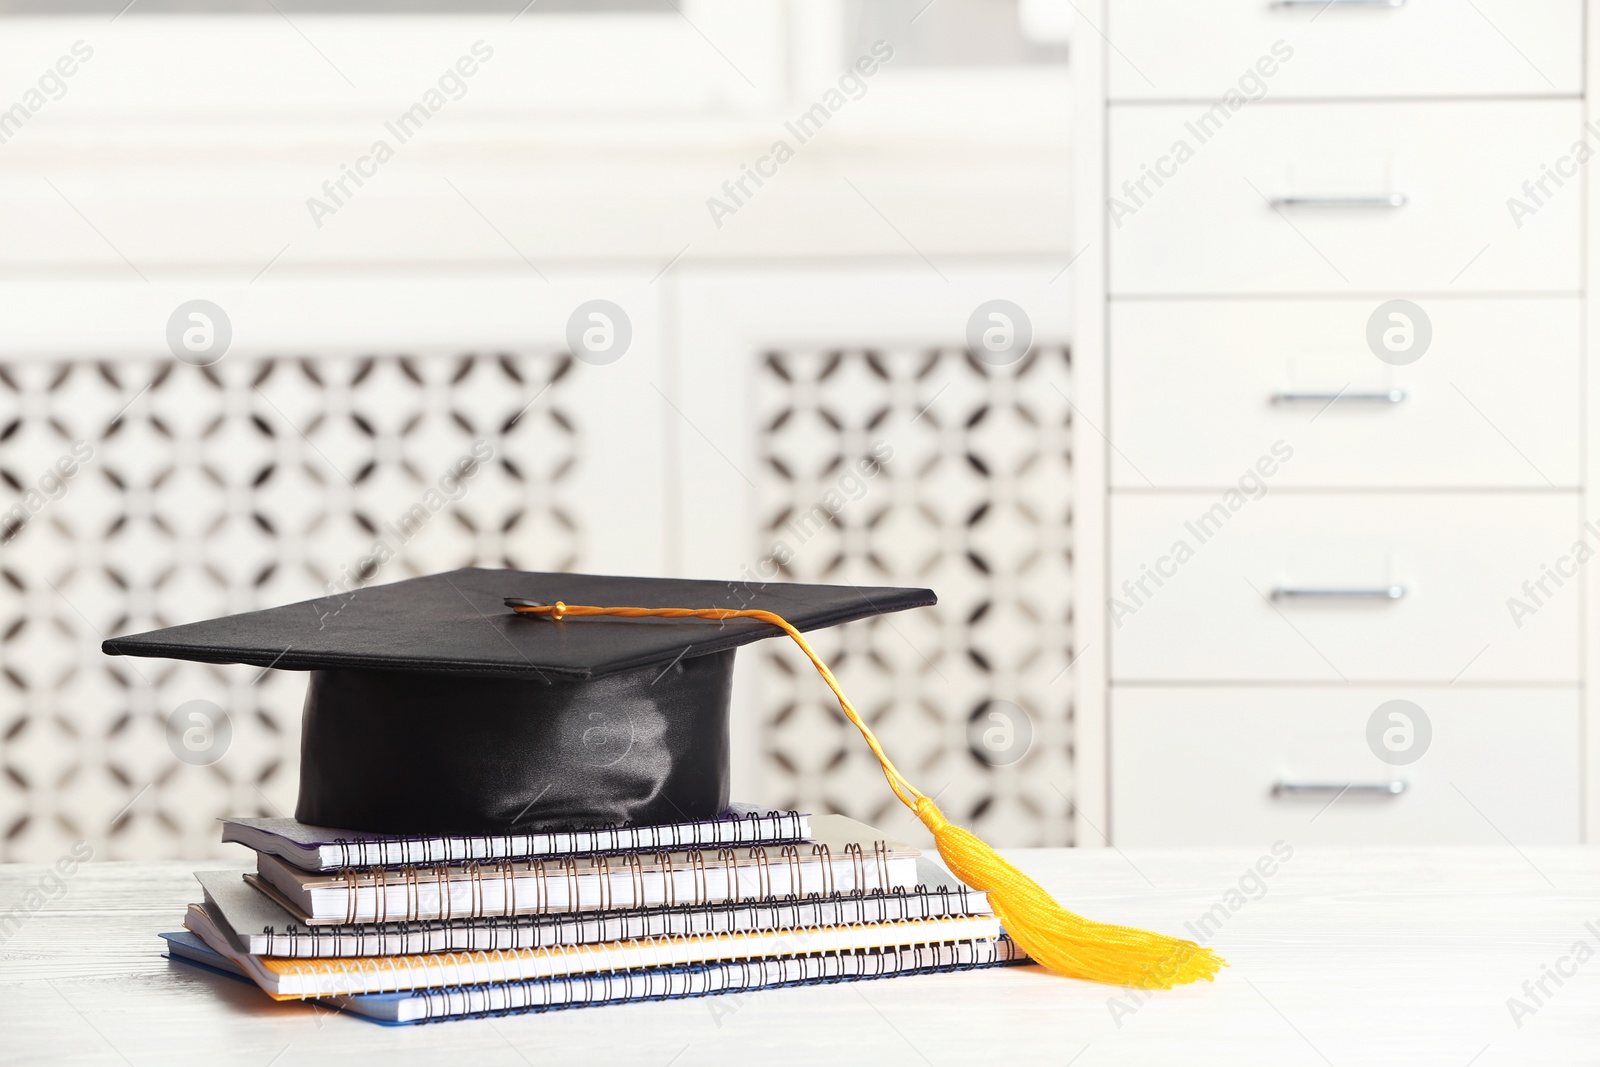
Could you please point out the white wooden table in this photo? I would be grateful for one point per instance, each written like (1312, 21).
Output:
(1348, 956)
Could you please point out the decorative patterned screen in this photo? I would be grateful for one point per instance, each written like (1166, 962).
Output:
(973, 499)
(201, 491)
(196, 492)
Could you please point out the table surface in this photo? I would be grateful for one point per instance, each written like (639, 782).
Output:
(1341, 956)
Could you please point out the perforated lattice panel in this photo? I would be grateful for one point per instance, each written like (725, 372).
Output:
(973, 499)
(247, 484)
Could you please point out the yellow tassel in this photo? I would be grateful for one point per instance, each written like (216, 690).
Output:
(1051, 935)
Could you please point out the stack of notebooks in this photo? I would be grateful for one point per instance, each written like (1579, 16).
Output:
(413, 929)
(437, 706)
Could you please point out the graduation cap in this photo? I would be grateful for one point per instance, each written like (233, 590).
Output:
(433, 708)
(482, 701)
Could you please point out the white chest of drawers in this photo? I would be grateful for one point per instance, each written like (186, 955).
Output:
(1330, 198)
(1305, 517)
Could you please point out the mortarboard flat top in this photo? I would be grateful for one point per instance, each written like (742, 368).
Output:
(457, 622)
(433, 708)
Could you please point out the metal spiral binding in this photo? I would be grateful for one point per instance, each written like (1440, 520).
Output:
(837, 956)
(421, 850)
(636, 875)
(790, 855)
(402, 851)
(476, 899)
(830, 885)
(621, 915)
(540, 877)
(380, 895)
(508, 888)
(880, 852)
(763, 865)
(602, 865)
(351, 885)
(669, 877)
(696, 980)
(853, 852)
(441, 884)
(697, 874)
(540, 871)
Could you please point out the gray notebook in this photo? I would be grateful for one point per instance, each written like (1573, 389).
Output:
(319, 848)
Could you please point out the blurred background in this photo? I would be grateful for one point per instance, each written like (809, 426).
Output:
(271, 268)
(1219, 365)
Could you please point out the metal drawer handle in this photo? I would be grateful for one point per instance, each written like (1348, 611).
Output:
(1385, 201)
(1381, 592)
(1319, 789)
(1389, 396)
(1338, 3)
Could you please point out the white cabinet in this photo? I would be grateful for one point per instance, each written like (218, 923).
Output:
(1199, 388)
(1259, 585)
(1171, 49)
(1303, 517)
(1338, 197)
(1224, 765)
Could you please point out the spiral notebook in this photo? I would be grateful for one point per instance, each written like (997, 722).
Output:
(254, 923)
(551, 994)
(317, 848)
(284, 979)
(844, 856)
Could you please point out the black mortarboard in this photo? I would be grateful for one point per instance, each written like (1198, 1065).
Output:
(433, 708)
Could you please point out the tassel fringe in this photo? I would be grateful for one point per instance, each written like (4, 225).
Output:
(1056, 938)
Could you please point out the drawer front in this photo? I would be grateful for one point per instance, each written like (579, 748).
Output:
(1200, 388)
(1237, 576)
(1247, 766)
(1295, 198)
(1177, 49)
